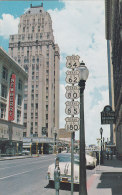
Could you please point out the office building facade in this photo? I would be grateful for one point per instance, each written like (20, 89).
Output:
(114, 35)
(12, 78)
(35, 49)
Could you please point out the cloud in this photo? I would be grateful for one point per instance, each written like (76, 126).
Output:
(8, 25)
(79, 28)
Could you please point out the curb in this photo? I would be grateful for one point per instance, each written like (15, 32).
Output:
(13, 158)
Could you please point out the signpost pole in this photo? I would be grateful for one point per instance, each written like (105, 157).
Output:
(72, 162)
(72, 107)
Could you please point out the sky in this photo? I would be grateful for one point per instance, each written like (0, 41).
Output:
(79, 29)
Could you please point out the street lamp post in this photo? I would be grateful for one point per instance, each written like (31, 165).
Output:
(82, 167)
(103, 144)
(55, 135)
(101, 132)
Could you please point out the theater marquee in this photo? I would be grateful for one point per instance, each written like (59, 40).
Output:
(12, 98)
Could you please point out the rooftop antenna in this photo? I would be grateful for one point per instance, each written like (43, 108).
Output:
(42, 3)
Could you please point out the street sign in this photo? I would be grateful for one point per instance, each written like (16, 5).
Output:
(72, 108)
(72, 92)
(72, 119)
(72, 61)
(72, 126)
(107, 115)
(72, 77)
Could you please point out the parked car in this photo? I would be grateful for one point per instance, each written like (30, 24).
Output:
(65, 167)
(25, 152)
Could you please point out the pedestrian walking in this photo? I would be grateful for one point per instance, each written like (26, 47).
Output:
(107, 154)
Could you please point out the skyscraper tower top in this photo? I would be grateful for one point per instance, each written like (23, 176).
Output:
(35, 9)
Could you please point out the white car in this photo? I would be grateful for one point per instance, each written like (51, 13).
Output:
(65, 167)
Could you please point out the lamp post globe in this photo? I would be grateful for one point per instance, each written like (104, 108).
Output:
(83, 75)
(83, 72)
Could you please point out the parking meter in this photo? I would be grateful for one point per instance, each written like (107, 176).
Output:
(57, 175)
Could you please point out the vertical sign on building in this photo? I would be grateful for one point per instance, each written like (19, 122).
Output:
(11, 110)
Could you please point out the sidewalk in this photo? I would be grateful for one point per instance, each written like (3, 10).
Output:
(17, 157)
(108, 179)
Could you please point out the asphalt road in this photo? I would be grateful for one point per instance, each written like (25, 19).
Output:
(28, 177)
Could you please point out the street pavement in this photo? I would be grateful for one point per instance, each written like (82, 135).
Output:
(28, 177)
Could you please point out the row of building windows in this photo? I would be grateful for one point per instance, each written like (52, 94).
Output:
(4, 94)
(32, 106)
(5, 76)
(29, 48)
(3, 112)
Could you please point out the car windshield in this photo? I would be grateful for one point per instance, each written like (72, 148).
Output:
(67, 158)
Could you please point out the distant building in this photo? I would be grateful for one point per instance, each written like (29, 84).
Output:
(64, 135)
(113, 10)
(34, 48)
(12, 78)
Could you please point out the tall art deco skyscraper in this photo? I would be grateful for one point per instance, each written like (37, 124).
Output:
(34, 48)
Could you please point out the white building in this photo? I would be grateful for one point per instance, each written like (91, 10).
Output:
(11, 103)
(34, 48)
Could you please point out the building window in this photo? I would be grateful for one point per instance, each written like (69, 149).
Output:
(25, 97)
(47, 89)
(46, 107)
(40, 35)
(36, 106)
(36, 134)
(5, 73)
(36, 115)
(31, 115)
(47, 125)
(24, 134)
(32, 97)
(25, 106)
(25, 115)
(33, 66)
(36, 95)
(18, 116)
(20, 85)
(32, 28)
(3, 91)
(19, 100)
(46, 81)
(46, 116)
(36, 123)
(2, 110)
(25, 124)
(31, 105)
(31, 126)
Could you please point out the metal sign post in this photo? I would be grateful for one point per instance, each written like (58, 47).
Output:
(72, 107)
(98, 141)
